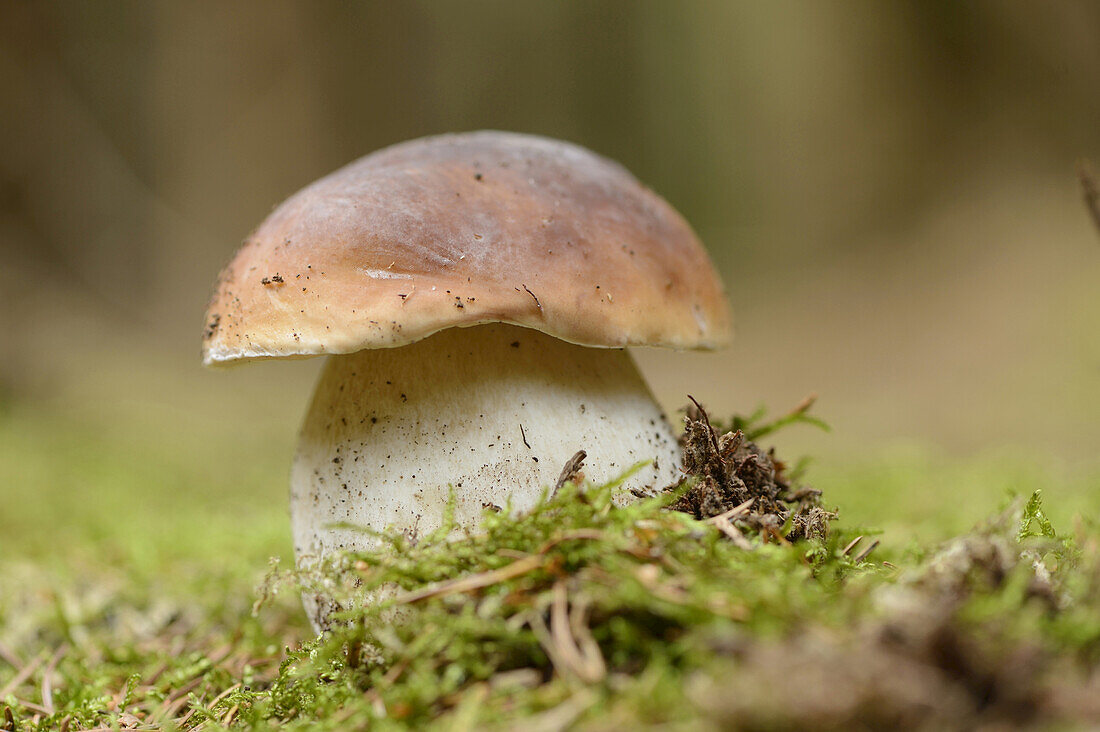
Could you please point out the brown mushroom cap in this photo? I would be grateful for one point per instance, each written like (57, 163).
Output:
(462, 229)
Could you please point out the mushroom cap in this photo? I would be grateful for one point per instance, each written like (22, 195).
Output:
(463, 229)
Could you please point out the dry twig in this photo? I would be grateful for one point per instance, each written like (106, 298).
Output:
(472, 582)
(47, 686)
(19, 678)
(733, 512)
(732, 532)
(866, 552)
(10, 657)
(586, 662)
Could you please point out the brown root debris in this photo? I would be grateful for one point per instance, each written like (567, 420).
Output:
(729, 471)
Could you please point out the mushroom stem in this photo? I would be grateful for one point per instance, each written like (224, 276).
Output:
(492, 412)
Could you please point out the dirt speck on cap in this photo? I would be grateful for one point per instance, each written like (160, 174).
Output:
(212, 326)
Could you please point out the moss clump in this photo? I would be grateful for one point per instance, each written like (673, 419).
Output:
(577, 596)
(608, 616)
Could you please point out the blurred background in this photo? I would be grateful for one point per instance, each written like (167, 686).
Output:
(889, 191)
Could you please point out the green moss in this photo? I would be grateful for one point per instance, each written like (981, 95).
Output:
(579, 613)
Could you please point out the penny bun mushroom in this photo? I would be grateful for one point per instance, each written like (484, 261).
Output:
(474, 293)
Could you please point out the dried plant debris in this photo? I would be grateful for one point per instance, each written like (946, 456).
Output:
(728, 471)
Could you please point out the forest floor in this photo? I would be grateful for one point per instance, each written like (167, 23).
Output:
(138, 590)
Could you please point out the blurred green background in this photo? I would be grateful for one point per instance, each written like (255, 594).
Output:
(887, 188)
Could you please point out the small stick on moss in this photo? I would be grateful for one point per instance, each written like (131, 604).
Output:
(542, 635)
(732, 532)
(177, 699)
(20, 677)
(578, 623)
(587, 667)
(10, 657)
(472, 582)
(767, 532)
(866, 552)
(224, 694)
(1090, 189)
(29, 705)
(852, 545)
(47, 688)
(190, 713)
(169, 708)
(735, 511)
(565, 714)
(520, 678)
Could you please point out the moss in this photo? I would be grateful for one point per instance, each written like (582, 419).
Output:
(580, 613)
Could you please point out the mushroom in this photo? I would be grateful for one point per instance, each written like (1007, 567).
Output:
(475, 293)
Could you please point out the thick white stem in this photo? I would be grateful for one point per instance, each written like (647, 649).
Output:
(491, 412)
